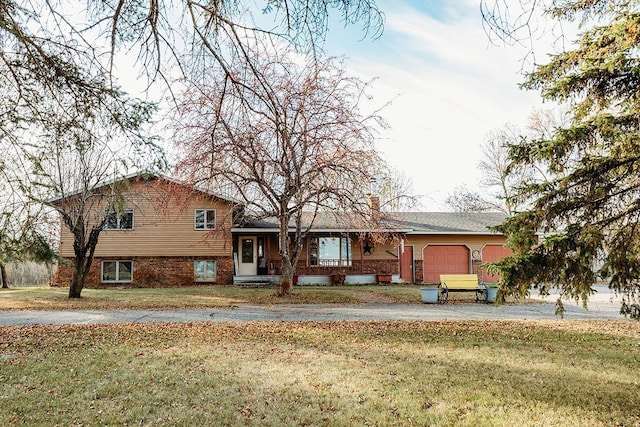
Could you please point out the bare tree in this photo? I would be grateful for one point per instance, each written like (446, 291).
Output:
(56, 58)
(464, 199)
(29, 273)
(68, 179)
(66, 154)
(524, 23)
(52, 46)
(395, 190)
(501, 178)
(283, 135)
(497, 178)
(57, 107)
(25, 229)
(159, 28)
(23, 237)
(53, 37)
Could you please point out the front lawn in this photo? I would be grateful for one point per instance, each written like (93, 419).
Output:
(475, 373)
(46, 298)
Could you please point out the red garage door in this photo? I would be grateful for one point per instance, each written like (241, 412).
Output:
(491, 253)
(445, 259)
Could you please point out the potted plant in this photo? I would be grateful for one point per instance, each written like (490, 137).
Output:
(384, 276)
(338, 278)
(430, 294)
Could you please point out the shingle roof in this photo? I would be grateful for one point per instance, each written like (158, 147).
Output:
(407, 222)
(330, 221)
(150, 176)
(446, 222)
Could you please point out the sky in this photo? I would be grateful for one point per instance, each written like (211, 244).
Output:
(449, 86)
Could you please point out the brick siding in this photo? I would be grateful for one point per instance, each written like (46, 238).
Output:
(150, 272)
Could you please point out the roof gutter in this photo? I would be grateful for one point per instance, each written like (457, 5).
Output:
(465, 232)
(319, 230)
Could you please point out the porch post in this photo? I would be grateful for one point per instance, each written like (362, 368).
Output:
(361, 255)
(268, 258)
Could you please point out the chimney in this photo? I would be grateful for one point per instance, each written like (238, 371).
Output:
(374, 208)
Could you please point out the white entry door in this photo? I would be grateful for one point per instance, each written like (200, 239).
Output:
(248, 262)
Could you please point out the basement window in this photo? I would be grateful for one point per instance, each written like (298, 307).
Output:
(117, 271)
(205, 271)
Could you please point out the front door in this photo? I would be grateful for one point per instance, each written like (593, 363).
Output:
(406, 264)
(248, 262)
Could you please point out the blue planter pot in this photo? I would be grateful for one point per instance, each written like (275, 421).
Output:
(430, 295)
(491, 294)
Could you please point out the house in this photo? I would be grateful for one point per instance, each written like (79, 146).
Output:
(166, 235)
(448, 242)
(171, 235)
(420, 246)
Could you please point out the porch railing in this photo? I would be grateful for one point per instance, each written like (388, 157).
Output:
(331, 263)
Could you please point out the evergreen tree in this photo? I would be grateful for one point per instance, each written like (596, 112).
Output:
(583, 225)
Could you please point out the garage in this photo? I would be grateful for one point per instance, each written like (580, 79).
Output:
(492, 253)
(445, 259)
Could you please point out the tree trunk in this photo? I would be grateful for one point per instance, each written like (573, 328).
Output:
(283, 249)
(77, 280)
(83, 258)
(3, 276)
(286, 284)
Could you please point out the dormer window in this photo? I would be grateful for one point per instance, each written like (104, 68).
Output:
(119, 221)
(205, 219)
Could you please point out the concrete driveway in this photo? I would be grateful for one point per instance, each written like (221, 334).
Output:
(603, 305)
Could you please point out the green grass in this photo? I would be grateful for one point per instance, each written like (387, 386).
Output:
(46, 298)
(340, 374)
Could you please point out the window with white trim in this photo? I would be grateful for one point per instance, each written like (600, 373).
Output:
(118, 221)
(117, 271)
(330, 251)
(205, 219)
(204, 270)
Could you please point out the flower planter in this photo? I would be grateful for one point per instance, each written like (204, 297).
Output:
(384, 278)
(491, 292)
(430, 295)
(338, 279)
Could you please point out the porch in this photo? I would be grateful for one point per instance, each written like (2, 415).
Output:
(324, 261)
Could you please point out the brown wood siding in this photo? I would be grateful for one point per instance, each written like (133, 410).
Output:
(163, 226)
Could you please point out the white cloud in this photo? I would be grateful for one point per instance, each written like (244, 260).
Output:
(453, 87)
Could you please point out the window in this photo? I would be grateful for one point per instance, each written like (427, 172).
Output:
(330, 251)
(205, 219)
(123, 221)
(117, 271)
(205, 271)
(247, 251)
